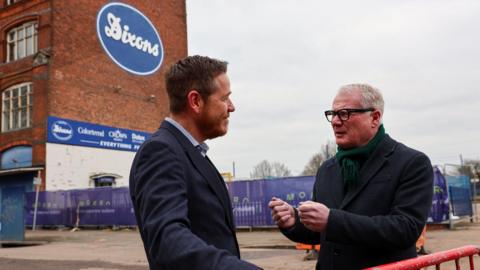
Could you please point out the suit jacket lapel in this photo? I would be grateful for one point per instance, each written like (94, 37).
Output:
(206, 169)
(371, 168)
(227, 204)
(214, 180)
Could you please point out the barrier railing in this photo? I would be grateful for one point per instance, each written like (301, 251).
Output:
(435, 259)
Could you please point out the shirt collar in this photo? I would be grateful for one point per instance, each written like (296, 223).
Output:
(203, 147)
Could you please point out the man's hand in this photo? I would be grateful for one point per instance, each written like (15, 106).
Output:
(282, 213)
(313, 215)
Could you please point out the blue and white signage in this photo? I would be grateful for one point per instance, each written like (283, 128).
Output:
(62, 130)
(72, 132)
(129, 38)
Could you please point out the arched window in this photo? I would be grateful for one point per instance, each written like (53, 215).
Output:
(22, 41)
(17, 107)
(104, 179)
(16, 157)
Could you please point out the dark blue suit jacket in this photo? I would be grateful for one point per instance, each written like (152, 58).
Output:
(182, 206)
(379, 221)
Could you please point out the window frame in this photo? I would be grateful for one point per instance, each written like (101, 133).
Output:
(18, 43)
(11, 2)
(18, 156)
(17, 116)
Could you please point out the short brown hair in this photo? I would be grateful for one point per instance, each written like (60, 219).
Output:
(193, 72)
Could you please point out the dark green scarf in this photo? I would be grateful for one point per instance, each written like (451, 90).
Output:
(351, 159)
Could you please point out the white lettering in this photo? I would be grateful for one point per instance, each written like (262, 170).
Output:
(86, 131)
(116, 145)
(138, 137)
(114, 31)
(139, 43)
(126, 35)
(117, 134)
(59, 129)
(147, 46)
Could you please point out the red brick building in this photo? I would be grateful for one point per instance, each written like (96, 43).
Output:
(68, 63)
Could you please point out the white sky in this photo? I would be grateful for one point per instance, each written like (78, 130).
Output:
(287, 59)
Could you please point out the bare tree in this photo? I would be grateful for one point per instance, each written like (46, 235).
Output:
(464, 170)
(470, 168)
(313, 165)
(280, 170)
(261, 170)
(266, 169)
(327, 151)
(473, 170)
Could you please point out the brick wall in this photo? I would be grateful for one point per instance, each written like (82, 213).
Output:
(24, 70)
(86, 85)
(80, 81)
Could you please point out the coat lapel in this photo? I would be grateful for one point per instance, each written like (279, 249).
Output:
(371, 168)
(214, 180)
(206, 169)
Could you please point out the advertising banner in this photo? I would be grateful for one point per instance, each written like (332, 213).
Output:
(113, 206)
(65, 131)
(250, 198)
(87, 207)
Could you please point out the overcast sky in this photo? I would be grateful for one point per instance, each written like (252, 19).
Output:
(287, 59)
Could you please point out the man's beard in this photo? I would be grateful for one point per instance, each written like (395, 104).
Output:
(212, 128)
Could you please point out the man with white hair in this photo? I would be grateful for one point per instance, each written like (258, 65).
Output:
(370, 201)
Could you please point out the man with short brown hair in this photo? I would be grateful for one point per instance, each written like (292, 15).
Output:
(181, 203)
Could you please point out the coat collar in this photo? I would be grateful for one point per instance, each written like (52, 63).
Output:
(371, 167)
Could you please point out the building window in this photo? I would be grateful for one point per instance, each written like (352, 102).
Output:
(17, 107)
(16, 157)
(22, 41)
(104, 179)
(10, 2)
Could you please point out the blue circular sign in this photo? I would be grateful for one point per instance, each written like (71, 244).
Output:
(129, 38)
(62, 130)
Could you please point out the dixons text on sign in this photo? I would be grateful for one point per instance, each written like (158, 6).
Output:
(129, 38)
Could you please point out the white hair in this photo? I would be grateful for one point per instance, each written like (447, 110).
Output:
(371, 96)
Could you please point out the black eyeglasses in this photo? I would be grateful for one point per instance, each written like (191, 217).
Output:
(344, 114)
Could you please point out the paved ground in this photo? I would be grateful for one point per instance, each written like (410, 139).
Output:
(122, 249)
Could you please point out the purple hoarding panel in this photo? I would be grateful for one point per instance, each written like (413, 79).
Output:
(112, 206)
(292, 189)
(94, 207)
(52, 208)
(250, 198)
(124, 208)
(100, 206)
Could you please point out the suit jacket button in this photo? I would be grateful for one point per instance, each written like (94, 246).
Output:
(337, 251)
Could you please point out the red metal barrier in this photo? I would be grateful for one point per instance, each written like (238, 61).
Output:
(433, 259)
